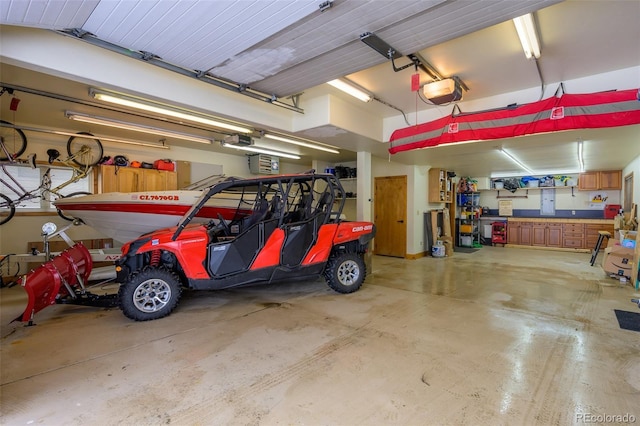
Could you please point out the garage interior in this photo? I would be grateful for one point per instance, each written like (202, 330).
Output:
(502, 331)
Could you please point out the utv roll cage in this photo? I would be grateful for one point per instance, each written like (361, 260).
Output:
(290, 198)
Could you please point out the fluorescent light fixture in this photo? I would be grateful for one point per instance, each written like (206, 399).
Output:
(104, 121)
(118, 99)
(260, 150)
(351, 89)
(150, 145)
(518, 162)
(527, 33)
(581, 155)
(301, 143)
(538, 173)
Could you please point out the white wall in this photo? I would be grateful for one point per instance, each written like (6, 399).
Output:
(417, 198)
(633, 167)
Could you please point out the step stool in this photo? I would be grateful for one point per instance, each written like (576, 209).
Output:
(601, 236)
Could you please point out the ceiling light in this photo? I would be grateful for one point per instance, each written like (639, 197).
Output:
(515, 160)
(104, 121)
(260, 150)
(581, 156)
(443, 91)
(160, 145)
(380, 46)
(527, 32)
(145, 105)
(351, 89)
(301, 143)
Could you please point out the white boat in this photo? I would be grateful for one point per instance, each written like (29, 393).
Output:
(126, 216)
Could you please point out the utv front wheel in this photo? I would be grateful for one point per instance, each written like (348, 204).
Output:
(150, 294)
(345, 272)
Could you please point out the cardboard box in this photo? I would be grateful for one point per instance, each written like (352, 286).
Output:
(618, 260)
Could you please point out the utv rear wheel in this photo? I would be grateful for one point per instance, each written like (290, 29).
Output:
(345, 272)
(150, 294)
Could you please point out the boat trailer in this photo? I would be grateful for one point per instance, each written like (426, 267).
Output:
(63, 278)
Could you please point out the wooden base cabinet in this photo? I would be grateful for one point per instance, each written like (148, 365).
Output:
(546, 234)
(513, 232)
(526, 233)
(557, 234)
(543, 234)
(592, 232)
(520, 233)
(573, 235)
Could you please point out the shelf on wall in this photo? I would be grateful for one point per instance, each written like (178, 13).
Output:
(531, 188)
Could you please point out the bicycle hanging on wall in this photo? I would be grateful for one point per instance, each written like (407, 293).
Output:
(84, 152)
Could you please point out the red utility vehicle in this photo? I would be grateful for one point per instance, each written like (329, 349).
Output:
(284, 227)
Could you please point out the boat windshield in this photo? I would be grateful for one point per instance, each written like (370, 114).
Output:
(201, 200)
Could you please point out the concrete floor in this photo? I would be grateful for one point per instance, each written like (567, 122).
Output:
(499, 336)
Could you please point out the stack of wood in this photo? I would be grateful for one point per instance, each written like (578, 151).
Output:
(628, 221)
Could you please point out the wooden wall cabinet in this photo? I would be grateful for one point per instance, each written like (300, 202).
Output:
(131, 179)
(440, 186)
(602, 180)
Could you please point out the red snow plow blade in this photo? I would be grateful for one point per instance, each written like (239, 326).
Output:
(56, 279)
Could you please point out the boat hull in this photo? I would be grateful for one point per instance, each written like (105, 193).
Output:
(126, 216)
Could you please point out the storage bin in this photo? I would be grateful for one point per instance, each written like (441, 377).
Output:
(466, 240)
(498, 185)
(533, 183)
(611, 210)
(466, 229)
(483, 183)
(558, 182)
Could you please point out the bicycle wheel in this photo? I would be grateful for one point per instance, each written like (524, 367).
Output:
(14, 140)
(84, 151)
(73, 194)
(7, 209)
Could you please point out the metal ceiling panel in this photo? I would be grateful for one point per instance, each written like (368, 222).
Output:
(46, 14)
(195, 34)
(455, 19)
(443, 22)
(321, 33)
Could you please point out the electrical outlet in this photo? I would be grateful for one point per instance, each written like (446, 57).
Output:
(573, 212)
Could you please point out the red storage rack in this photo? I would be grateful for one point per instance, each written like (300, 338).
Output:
(499, 233)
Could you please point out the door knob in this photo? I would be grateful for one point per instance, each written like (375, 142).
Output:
(401, 221)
